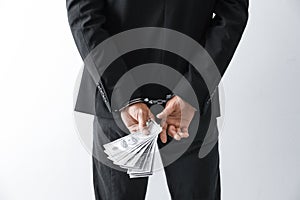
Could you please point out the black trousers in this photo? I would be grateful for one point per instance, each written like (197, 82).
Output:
(188, 178)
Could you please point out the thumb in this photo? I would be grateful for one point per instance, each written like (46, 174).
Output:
(167, 111)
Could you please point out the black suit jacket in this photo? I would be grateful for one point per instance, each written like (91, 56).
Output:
(93, 21)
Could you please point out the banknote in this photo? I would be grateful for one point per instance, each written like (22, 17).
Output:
(135, 152)
(148, 168)
(132, 140)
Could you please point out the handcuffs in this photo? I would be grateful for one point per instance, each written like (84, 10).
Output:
(147, 101)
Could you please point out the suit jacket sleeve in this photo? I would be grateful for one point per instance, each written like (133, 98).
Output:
(221, 40)
(86, 19)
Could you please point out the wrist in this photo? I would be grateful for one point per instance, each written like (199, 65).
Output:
(130, 103)
(186, 103)
(146, 101)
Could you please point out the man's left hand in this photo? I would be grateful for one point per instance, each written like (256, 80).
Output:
(176, 118)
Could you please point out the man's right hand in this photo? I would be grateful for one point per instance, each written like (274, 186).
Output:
(135, 117)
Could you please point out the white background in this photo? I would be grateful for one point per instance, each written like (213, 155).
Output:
(41, 156)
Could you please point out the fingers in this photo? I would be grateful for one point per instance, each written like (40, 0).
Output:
(172, 131)
(142, 120)
(177, 133)
(127, 119)
(163, 122)
(133, 129)
(181, 133)
(163, 134)
(184, 133)
(136, 116)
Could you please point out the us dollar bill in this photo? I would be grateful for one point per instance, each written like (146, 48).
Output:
(131, 141)
(135, 152)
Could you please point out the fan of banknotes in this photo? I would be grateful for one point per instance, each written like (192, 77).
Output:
(135, 152)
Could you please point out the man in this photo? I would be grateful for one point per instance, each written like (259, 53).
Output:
(93, 21)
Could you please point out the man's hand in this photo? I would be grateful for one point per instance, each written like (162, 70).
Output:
(135, 117)
(175, 119)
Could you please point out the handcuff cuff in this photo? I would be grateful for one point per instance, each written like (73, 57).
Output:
(147, 101)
